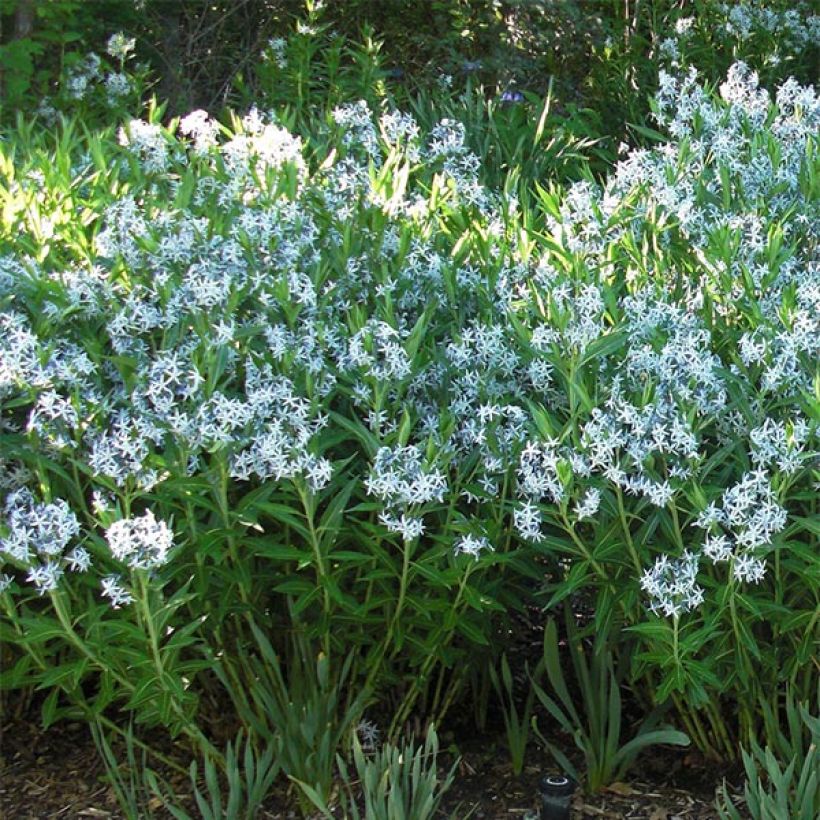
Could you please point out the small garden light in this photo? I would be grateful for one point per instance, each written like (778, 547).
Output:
(556, 795)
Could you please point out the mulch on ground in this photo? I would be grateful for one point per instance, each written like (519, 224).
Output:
(56, 773)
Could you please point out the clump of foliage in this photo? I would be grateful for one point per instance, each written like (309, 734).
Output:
(782, 779)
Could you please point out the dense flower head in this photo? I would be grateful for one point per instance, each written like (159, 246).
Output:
(37, 528)
(399, 476)
(119, 45)
(38, 534)
(141, 542)
(201, 128)
(671, 585)
(147, 142)
(113, 589)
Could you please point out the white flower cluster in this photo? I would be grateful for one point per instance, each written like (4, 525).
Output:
(446, 148)
(37, 528)
(147, 142)
(276, 52)
(201, 128)
(747, 519)
(400, 130)
(113, 589)
(399, 477)
(82, 77)
(38, 534)
(358, 129)
(781, 442)
(588, 505)
(744, 17)
(746, 27)
(672, 585)
(120, 46)
(140, 542)
(377, 349)
(538, 472)
(472, 545)
(89, 74)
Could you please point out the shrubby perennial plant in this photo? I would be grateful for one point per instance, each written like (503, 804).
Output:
(337, 387)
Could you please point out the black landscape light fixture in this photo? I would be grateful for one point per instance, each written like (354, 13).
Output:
(556, 795)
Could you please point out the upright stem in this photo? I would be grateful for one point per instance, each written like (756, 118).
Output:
(403, 581)
(676, 521)
(693, 725)
(675, 644)
(719, 730)
(77, 696)
(144, 614)
(627, 534)
(80, 644)
(225, 512)
(410, 698)
(585, 553)
(321, 569)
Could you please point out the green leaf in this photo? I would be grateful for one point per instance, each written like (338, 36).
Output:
(604, 346)
(471, 631)
(577, 577)
(552, 665)
(358, 431)
(629, 750)
(332, 519)
(313, 795)
(283, 514)
(650, 133)
(49, 711)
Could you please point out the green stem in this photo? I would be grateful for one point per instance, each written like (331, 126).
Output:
(744, 657)
(694, 727)
(76, 476)
(79, 643)
(420, 679)
(225, 512)
(144, 614)
(78, 699)
(683, 713)
(718, 723)
(403, 583)
(627, 534)
(676, 521)
(321, 569)
(675, 640)
(569, 529)
(108, 723)
(148, 622)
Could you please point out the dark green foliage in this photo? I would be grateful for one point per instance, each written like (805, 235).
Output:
(595, 725)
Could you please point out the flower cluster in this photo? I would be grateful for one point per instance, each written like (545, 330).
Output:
(91, 78)
(140, 543)
(747, 519)
(247, 314)
(399, 477)
(747, 28)
(672, 585)
(38, 535)
(472, 545)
